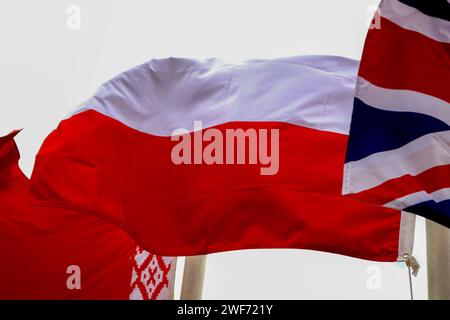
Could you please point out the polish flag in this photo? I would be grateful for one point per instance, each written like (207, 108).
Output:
(193, 157)
(54, 253)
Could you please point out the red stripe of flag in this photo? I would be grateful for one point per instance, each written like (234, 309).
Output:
(431, 180)
(424, 65)
(212, 208)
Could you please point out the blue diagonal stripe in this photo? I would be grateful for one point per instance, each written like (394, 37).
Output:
(374, 130)
(435, 8)
(436, 211)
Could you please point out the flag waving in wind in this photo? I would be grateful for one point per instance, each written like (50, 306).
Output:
(54, 253)
(199, 156)
(398, 152)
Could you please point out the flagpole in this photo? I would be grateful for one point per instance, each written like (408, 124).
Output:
(193, 278)
(438, 261)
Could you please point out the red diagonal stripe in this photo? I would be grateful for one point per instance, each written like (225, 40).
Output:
(430, 180)
(396, 58)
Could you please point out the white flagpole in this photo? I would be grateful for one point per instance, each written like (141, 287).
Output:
(438, 261)
(193, 277)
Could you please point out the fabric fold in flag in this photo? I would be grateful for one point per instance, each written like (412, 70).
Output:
(398, 152)
(55, 253)
(199, 156)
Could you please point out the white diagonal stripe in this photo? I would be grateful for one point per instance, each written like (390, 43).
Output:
(402, 100)
(413, 158)
(412, 19)
(418, 197)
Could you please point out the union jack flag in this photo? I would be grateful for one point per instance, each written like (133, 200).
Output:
(398, 152)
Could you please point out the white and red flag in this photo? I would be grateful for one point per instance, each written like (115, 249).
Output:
(193, 157)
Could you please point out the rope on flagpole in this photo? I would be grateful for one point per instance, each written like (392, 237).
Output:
(413, 270)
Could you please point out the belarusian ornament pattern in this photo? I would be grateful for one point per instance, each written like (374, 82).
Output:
(153, 277)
